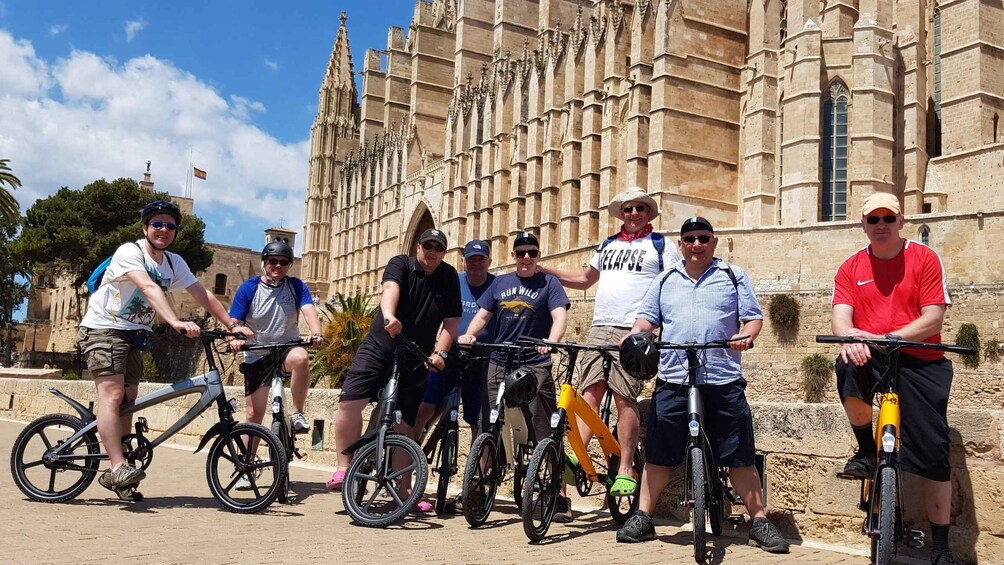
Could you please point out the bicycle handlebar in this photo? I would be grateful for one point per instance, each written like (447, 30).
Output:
(895, 342)
(210, 335)
(287, 345)
(567, 345)
(715, 344)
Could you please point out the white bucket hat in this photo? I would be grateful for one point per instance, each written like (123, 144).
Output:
(633, 194)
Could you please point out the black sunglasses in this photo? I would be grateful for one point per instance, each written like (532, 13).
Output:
(693, 238)
(159, 225)
(429, 246)
(637, 207)
(875, 219)
(520, 253)
(278, 262)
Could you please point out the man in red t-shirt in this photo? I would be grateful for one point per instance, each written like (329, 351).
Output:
(897, 286)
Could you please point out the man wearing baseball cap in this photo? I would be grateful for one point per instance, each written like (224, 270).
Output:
(897, 286)
(474, 281)
(701, 298)
(624, 265)
(419, 295)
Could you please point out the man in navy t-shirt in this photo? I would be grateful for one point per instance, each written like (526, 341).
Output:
(524, 303)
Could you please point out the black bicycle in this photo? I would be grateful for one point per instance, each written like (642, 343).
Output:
(505, 442)
(56, 457)
(706, 484)
(382, 459)
(282, 425)
(881, 494)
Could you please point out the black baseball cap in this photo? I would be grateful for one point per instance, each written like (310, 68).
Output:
(526, 238)
(696, 223)
(432, 234)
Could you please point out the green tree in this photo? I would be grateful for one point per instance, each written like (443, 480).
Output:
(10, 210)
(72, 231)
(13, 286)
(343, 332)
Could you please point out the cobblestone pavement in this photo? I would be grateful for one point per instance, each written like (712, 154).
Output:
(180, 522)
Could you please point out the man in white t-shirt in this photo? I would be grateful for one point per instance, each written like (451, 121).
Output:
(624, 265)
(120, 313)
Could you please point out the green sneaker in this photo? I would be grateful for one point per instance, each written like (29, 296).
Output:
(571, 465)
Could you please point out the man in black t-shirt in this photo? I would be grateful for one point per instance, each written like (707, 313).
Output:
(419, 294)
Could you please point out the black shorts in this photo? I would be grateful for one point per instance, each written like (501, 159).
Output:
(472, 381)
(728, 424)
(259, 373)
(370, 371)
(923, 398)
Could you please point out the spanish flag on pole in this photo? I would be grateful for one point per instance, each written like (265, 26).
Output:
(199, 173)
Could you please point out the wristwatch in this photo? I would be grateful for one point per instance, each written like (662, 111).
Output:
(234, 324)
(442, 354)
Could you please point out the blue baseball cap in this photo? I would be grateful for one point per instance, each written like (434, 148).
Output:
(477, 247)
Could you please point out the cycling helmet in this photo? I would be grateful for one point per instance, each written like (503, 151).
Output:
(520, 388)
(160, 207)
(277, 249)
(639, 357)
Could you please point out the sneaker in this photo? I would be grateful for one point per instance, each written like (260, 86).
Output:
(243, 483)
(943, 557)
(563, 510)
(455, 505)
(860, 466)
(639, 527)
(125, 475)
(764, 535)
(300, 425)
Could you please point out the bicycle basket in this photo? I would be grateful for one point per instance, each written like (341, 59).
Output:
(520, 388)
(639, 357)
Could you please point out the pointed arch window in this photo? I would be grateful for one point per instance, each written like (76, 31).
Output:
(925, 235)
(834, 154)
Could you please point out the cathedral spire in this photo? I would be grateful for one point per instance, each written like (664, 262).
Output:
(340, 72)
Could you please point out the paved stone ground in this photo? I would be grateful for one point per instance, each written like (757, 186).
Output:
(180, 522)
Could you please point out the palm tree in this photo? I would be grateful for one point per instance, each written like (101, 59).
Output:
(9, 208)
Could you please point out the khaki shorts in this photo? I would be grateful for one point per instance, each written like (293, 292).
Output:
(110, 352)
(592, 364)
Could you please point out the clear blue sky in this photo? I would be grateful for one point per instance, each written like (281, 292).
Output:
(94, 89)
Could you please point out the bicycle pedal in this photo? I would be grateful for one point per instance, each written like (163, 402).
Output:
(914, 539)
(141, 426)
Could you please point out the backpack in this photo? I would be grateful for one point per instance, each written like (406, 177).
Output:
(97, 277)
(658, 240)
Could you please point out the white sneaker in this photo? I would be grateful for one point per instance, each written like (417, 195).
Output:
(243, 483)
(300, 425)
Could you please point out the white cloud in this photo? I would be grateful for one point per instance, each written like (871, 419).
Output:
(70, 121)
(132, 27)
(57, 29)
(273, 65)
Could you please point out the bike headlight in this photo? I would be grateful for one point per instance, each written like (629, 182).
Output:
(397, 416)
(695, 428)
(554, 420)
(276, 406)
(453, 415)
(888, 442)
(494, 416)
(233, 404)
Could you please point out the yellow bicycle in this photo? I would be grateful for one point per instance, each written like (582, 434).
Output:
(881, 494)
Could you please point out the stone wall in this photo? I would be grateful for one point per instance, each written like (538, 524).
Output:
(805, 444)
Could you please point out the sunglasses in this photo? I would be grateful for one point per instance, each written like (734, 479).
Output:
(693, 238)
(635, 208)
(158, 225)
(875, 219)
(520, 253)
(428, 246)
(278, 262)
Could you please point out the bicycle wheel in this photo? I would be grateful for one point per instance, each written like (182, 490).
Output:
(622, 507)
(281, 431)
(44, 479)
(382, 504)
(716, 504)
(263, 464)
(699, 508)
(482, 475)
(542, 488)
(884, 543)
(446, 467)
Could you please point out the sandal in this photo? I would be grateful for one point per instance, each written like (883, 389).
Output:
(423, 506)
(571, 465)
(624, 485)
(336, 481)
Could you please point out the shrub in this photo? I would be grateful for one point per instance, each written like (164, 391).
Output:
(992, 351)
(784, 312)
(71, 377)
(969, 336)
(345, 328)
(817, 370)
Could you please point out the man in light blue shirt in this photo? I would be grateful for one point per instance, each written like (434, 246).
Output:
(701, 299)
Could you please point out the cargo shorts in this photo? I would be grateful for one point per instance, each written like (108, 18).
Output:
(111, 352)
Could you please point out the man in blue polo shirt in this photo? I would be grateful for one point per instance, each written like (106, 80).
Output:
(701, 299)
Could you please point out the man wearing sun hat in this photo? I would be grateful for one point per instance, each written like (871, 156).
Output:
(897, 286)
(624, 265)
